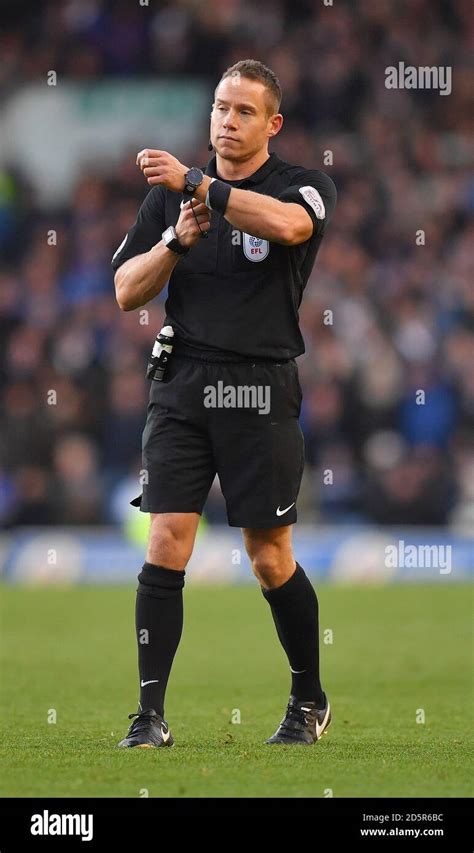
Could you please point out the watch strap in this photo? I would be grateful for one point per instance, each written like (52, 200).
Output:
(174, 243)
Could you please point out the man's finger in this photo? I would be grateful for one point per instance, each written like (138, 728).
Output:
(151, 162)
(199, 207)
(201, 217)
(155, 163)
(148, 152)
(151, 170)
(193, 202)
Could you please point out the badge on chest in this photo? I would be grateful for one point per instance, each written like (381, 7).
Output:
(255, 249)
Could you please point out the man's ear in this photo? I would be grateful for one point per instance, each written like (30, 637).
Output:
(276, 122)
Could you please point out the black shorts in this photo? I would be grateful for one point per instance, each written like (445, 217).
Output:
(239, 420)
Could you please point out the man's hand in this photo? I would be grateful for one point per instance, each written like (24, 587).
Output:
(186, 227)
(160, 167)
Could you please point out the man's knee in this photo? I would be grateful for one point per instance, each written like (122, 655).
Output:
(170, 543)
(272, 561)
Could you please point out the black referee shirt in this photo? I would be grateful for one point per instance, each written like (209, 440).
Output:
(234, 292)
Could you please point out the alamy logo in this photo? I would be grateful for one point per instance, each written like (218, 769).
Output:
(63, 824)
(423, 77)
(403, 556)
(238, 397)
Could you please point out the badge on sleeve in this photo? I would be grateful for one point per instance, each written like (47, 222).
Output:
(312, 197)
(255, 249)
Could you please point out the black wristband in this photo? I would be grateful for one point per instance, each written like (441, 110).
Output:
(219, 193)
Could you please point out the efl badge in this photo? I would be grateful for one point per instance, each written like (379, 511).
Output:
(255, 249)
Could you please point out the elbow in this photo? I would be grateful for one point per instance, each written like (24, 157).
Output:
(293, 235)
(288, 235)
(124, 306)
(288, 230)
(296, 226)
(123, 301)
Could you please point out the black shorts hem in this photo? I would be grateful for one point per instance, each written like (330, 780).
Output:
(268, 524)
(145, 507)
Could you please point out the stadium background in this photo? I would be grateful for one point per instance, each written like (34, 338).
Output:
(130, 76)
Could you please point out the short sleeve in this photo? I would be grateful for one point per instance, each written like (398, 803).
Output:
(147, 229)
(316, 192)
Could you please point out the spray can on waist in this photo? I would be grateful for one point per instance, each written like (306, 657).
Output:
(160, 355)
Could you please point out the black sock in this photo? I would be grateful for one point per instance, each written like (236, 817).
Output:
(159, 624)
(294, 607)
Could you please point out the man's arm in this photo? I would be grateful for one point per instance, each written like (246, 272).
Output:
(256, 214)
(143, 276)
(264, 216)
(302, 210)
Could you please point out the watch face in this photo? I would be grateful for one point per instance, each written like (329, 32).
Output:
(168, 234)
(194, 176)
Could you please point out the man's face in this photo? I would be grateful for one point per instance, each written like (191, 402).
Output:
(240, 120)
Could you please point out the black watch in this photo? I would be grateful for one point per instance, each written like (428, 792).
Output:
(192, 179)
(170, 239)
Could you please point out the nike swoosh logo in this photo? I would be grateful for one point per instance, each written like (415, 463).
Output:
(320, 728)
(297, 671)
(153, 681)
(282, 511)
(165, 735)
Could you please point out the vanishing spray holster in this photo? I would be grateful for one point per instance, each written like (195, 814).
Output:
(160, 354)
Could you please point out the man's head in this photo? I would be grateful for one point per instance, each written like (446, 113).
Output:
(245, 110)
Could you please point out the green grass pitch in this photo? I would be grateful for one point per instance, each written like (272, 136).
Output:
(397, 653)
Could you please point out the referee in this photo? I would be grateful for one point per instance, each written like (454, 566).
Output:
(237, 243)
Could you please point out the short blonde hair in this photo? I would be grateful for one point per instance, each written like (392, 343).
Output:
(255, 70)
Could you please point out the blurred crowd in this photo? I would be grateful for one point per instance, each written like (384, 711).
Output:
(388, 313)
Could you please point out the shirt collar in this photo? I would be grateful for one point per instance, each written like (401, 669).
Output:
(256, 178)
